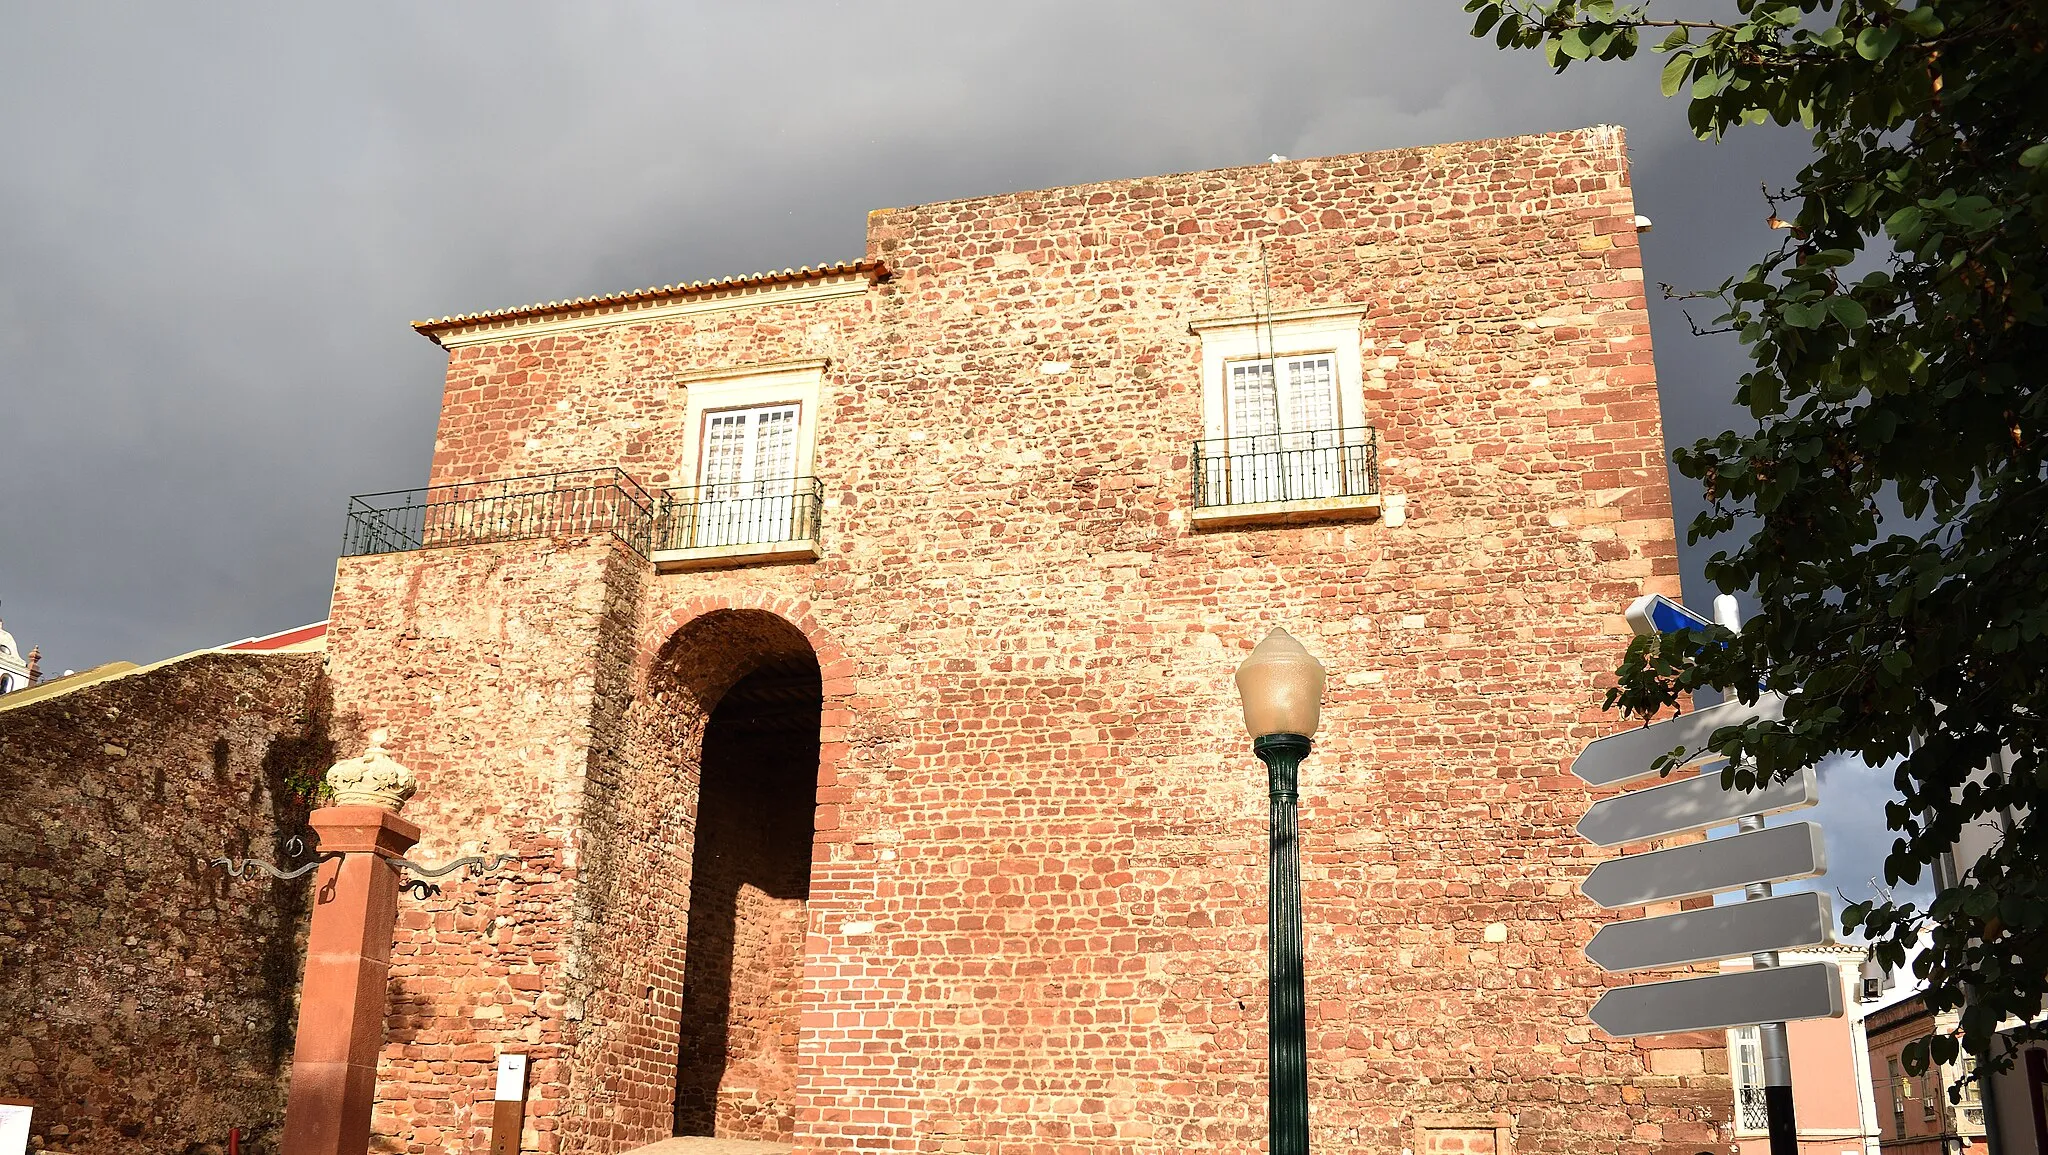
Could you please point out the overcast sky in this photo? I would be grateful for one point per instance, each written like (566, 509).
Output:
(216, 221)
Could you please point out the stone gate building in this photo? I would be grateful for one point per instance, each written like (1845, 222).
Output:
(846, 652)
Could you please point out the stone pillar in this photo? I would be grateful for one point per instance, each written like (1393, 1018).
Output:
(348, 956)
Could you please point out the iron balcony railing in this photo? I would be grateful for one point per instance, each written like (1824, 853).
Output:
(1300, 466)
(781, 509)
(1752, 1113)
(581, 503)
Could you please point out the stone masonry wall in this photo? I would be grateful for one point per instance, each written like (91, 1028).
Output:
(482, 662)
(146, 999)
(1037, 894)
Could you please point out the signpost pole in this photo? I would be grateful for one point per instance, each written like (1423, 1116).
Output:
(1777, 1054)
(1784, 1131)
(1768, 994)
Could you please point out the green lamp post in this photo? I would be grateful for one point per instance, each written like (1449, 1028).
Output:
(1282, 689)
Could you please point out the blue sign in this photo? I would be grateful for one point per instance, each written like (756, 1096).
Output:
(1657, 614)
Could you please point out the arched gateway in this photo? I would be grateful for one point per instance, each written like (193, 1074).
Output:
(743, 693)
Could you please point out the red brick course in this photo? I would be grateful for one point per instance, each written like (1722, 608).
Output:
(1036, 900)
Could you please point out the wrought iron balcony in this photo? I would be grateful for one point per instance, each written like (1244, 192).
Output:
(577, 504)
(1314, 472)
(1752, 1113)
(688, 527)
(716, 524)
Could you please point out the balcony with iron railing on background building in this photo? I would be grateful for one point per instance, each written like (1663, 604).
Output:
(689, 527)
(1751, 1112)
(1306, 475)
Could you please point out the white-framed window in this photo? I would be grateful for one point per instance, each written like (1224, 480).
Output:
(1284, 429)
(747, 480)
(1746, 1069)
(746, 475)
(1283, 409)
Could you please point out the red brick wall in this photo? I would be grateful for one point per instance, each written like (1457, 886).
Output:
(147, 1000)
(1037, 893)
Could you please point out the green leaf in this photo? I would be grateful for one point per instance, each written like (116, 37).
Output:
(1679, 36)
(2032, 158)
(1905, 224)
(1922, 22)
(1674, 74)
(1848, 312)
(1489, 15)
(1802, 316)
(1877, 43)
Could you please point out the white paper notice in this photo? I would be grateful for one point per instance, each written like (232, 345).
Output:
(511, 1082)
(14, 1128)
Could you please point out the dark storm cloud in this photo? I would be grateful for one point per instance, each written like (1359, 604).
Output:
(216, 221)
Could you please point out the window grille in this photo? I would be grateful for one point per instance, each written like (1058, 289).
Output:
(1751, 1112)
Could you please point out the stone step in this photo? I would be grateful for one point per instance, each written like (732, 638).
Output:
(691, 1145)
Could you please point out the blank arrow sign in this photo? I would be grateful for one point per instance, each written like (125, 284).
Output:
(1770, 855)
(1694, 804)
(1716, 1002)
(1718, 932)
(1630, 754)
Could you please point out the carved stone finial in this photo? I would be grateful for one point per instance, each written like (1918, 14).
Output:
(375, 779)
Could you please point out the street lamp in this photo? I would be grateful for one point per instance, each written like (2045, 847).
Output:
(1282, 689)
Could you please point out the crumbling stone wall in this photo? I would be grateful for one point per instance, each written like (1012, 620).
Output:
(1037, 896)
(147, 1000)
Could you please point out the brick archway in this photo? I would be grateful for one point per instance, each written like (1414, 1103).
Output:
(835, 671)
(743, 687)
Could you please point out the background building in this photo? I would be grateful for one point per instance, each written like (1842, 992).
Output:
(1831, 1090)
(1918, 1118)
(18, 671)
(146, 1001)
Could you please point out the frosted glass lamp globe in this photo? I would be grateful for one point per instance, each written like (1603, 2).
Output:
(1281, 685)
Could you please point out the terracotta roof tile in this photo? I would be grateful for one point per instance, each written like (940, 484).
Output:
(874, 270)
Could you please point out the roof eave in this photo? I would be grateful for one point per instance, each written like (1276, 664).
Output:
(433, 329)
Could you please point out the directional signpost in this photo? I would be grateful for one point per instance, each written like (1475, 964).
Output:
(1802, 992)
(1691, 804)
(1633, 754)
(1711, 934)
(1767, 995)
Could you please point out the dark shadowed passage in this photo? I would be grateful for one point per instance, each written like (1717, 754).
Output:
(750, 882)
